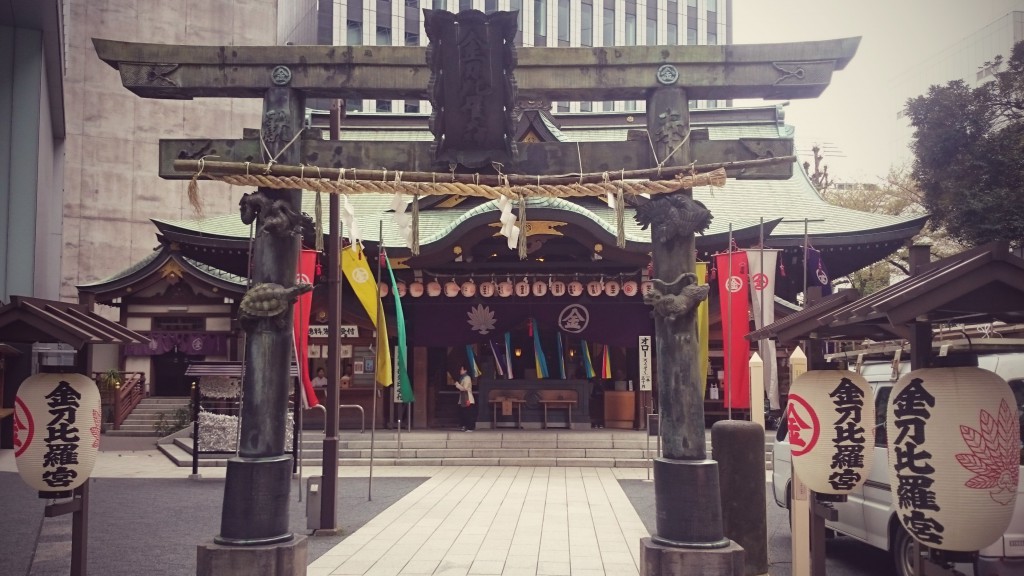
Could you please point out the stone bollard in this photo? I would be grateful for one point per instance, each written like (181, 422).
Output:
(738, 446)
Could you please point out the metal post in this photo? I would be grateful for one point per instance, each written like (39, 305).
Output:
(398, 454)
(727, 322)
(80, 532)
(332, 399)
(195, 431)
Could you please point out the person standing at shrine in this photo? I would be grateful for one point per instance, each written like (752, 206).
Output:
(321, 379)
(467, 404)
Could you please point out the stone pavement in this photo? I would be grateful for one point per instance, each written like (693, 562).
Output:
(451, 520)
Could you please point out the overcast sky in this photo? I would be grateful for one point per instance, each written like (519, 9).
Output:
(856, 114)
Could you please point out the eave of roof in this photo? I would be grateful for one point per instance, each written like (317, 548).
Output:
(37, 320)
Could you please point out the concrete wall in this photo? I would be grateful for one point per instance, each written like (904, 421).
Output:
(30, 169)
(111, 187)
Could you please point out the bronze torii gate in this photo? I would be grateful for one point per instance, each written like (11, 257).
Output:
(666, 77)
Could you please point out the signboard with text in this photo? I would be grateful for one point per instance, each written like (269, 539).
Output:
(344, 331)
(646, 380)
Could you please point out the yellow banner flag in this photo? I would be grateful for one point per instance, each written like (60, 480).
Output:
(356, 267)
(360, 279)
(703, 329)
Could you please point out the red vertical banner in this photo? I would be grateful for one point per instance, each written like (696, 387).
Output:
(305, 273)
(732, 295)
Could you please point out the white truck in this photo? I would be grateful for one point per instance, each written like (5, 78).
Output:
(868, 513)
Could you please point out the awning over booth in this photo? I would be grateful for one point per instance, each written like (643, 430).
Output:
(38, 320)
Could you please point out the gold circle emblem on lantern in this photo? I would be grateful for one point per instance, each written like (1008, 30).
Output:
(831, 421)
(612, 288)
(522, 288)
(505, 289)
(383, 288)
(451, 289)
(416, 289)
(56, 414)
(558, 288)
(630, 288)
(594, 288)
(433, 288)
(575, 288)
(401, 289)
(954, 440)
(469, 289)
(540, 288)
(487, 289)
(646, 287)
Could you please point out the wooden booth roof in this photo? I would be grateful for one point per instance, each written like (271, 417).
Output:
(37, 320)
(983, 284)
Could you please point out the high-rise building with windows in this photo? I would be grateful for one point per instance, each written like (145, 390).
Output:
(575, 23)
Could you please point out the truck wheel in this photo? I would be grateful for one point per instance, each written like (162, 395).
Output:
(902, 551)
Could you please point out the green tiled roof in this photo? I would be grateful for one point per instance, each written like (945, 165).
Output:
(127, 271)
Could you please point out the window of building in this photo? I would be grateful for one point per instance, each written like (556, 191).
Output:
(652, 23)
(354, 34)
(630, 23)
(561, 106)
(412, 39)
(383, 105)
(354, 105)
(490, 6)
(608, 34)
(440, 5)
(517, 7)
(412, 3)
(691, 22)
(608, 106)
(465, 5)
(412, 106)
(383, 36)
(587, 23)
(712, 22)
(672, 24)
(563, 22)
(540, 22)
(586, 106)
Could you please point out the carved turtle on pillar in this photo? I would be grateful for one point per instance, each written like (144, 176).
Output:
(672, 306)
(269, 301)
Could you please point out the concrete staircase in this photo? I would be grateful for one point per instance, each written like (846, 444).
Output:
(597, 448)
(143, 420)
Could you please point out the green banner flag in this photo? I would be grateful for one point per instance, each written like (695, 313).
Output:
(404, 382)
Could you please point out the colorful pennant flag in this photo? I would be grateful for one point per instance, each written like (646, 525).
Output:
(606, 363)
(357, 271)
(703, 330)
(300, 326)
(762, 287)
(383, 374)
(588, 366)
(732, 292)
(404, 381)
(561, 356)
(540, 361)
(508, 355)
(499, 361)
(474, 369)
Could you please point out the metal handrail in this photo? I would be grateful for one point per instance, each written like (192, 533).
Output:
(362, 415)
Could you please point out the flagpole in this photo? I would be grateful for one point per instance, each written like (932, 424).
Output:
(728, 315)
(761, 298)
(381, 325)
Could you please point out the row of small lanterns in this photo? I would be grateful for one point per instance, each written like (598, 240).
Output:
(521, 289)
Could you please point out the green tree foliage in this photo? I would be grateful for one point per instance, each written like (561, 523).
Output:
(969, 154)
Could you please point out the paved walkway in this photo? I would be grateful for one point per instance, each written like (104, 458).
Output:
(498, 520)
(462, 520)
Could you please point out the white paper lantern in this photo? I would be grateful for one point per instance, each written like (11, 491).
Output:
(522, 289)
(401, 289)
(954, 456)
(469, 289)
(611, 288)
(383, 287)
(630, 288)
(646, 287)
(505, 289)
(540, 288)
(57, 419)
(558, 288)
(451, 289)
(416, 289)
(594, 288)
(575, 288)
(434, 288)
(487, 289)
(831, 422)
